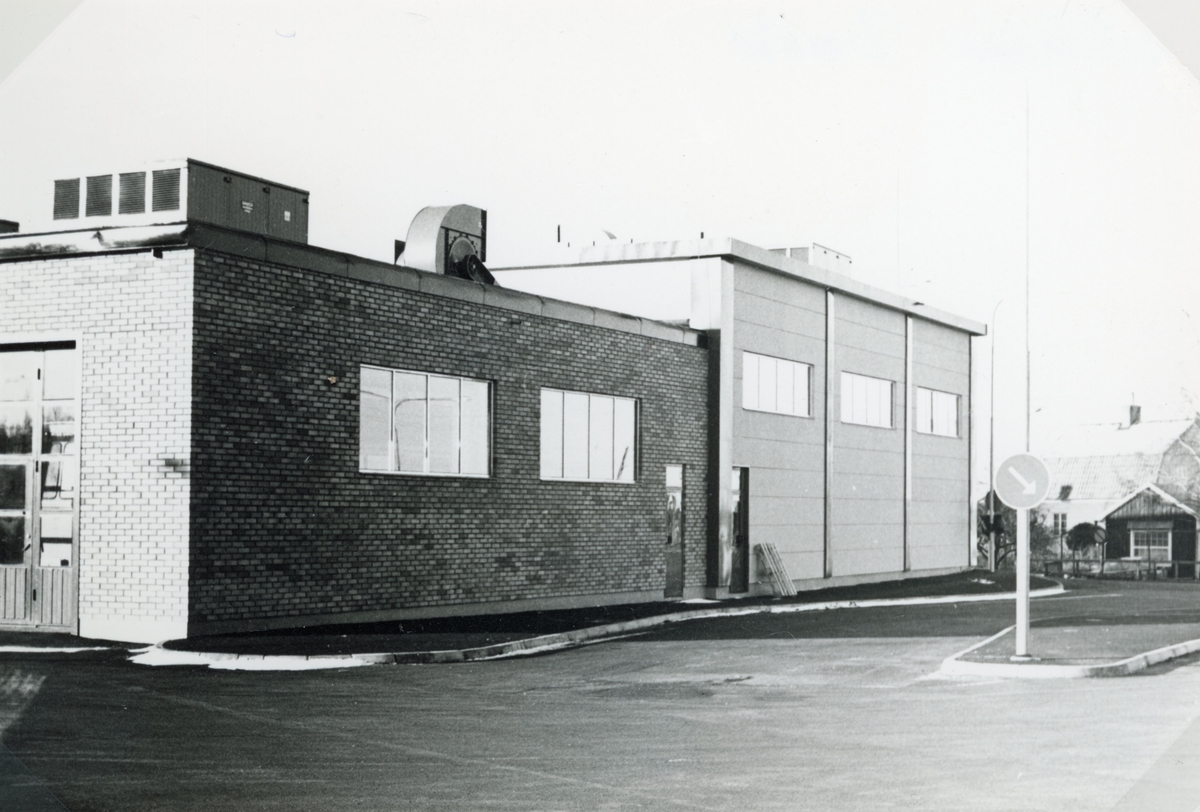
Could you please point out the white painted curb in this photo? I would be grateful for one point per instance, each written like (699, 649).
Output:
(956, 667)
(551, 642)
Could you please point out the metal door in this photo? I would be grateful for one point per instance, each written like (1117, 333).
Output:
(739, 576)
(39, 484)
(674, 541)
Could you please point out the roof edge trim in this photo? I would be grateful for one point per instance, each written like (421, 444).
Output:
(727, 248)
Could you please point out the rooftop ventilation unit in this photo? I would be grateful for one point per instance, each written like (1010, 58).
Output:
(450, 240)
(820, 257)
(182, 190)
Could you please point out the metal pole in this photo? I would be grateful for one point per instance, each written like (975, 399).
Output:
(1028, 376)
(1022, 650)
(992, 452)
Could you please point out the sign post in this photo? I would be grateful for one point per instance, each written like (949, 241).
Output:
(1022, 483)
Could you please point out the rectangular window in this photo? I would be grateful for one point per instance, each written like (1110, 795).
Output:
(133, 193)
(587, 437)
(1152, 545)
(1060, 524)
(866, 401)
(937, 412)
(99, 196)
(66, 199)
(775, 385)
(419, 423)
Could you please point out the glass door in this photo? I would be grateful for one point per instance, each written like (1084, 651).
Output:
(673, 555)
(739, 578)
(18, 415)
(39, 484)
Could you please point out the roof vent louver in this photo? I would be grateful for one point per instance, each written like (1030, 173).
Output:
(165, 191)
(132, 193)
(99, 195)
(66, 199)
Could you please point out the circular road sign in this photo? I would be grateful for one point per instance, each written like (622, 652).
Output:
(1022, 481)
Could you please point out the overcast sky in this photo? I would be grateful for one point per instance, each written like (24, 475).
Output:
(894, 132)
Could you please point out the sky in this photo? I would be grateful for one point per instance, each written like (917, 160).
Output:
(945, 146)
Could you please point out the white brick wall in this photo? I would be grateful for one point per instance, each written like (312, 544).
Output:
(132, 315)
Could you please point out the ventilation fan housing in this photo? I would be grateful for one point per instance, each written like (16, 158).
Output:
(450, 240)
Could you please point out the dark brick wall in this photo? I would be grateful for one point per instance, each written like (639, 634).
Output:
(282, 522)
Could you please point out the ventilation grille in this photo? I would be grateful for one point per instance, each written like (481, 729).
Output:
(166, 190)
(133, 193)
(66, 199)
(99, 195)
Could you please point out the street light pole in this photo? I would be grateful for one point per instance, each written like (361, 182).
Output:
(1028, 373)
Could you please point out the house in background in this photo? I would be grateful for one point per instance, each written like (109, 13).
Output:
(1141, 480)
(1152, 525)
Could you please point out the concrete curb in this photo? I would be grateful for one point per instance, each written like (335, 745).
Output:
(954, 666)
(594, 634)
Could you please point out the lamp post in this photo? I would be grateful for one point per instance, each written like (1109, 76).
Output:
(992, 451)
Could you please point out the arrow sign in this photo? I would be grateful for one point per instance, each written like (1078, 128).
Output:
(1024, 481)
(1027, 488)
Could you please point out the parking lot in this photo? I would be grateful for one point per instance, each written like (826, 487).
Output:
(831, 710)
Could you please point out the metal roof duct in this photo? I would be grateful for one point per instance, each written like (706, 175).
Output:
(450, 240)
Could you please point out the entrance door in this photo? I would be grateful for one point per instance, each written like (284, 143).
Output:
(739, 576)
(15, 485)
(674, 548)
(39, 484)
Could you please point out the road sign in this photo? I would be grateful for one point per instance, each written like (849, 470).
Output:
(1022, 481)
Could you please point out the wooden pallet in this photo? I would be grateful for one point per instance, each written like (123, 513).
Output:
(781, 582)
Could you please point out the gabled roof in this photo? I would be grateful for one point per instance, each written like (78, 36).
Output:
(1102, 477)
(1110, 461)
(1151, 500)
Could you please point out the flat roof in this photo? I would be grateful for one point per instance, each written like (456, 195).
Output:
(613, 253)
(17, 247)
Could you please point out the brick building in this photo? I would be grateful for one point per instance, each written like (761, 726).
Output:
(208, 425)
(839, 413)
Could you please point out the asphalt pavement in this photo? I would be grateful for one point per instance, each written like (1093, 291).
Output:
(476, 632)
(834, 710)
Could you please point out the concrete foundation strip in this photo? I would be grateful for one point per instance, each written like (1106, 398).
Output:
(612, 631)
(957, 667)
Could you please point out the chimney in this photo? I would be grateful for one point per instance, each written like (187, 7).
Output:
(9, 227)
(1135, 415)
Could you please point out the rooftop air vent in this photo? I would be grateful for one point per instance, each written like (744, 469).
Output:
(450, 240)
(185, 190)
(821, 257)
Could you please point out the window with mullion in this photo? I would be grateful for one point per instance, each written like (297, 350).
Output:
(866, 401)
(1153, 545)
(775, 385)
(422, 423)
(937, 412)
(587, 437)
